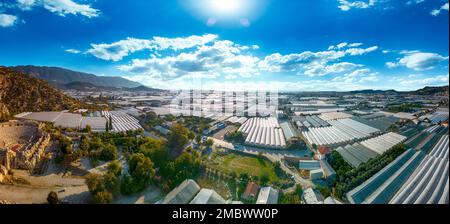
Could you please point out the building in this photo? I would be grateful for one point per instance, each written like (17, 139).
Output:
(182, 194)
(310, 196)
(316, 174)
(331, 201)
(65, 120)
(309, 165)
(251, 191)
(328, 171)
(264, 132)
(267, 195)
(208, 196)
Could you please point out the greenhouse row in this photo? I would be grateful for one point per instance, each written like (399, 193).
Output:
(413, 178)
(334, 116)
(343, 130)
(382, 143)
(122, 121)
(367, 190)
(264, 132)
(356, 154)
(430, 182)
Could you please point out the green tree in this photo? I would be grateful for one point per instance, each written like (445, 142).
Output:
(65, 145)
(108, 152)
(155, 150)
(103, 197)
(111, 183)
(264, 179)
(115, 168)
(94, 183)
(178, 138)
(198, 138)
(88, 129)
(191, 135)
(84, 143)
(141, 170)
(209, 143)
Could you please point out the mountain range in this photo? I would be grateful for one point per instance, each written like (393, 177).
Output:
(22, 93)
(65, 76)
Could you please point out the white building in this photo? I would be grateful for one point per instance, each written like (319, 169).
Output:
(267, 195)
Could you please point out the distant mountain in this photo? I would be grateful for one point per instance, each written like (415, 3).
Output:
(441, 90)
(85, 86)
(65, 76)
(22, 93)
(371, 91)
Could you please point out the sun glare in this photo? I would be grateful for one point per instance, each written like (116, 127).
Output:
(226, 6)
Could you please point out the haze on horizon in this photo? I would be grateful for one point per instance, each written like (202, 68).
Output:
(321, 45)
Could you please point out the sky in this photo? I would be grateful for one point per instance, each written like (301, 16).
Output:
(283, 45)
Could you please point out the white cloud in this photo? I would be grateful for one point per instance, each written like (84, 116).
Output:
(418, 81)
(345, 5)
(391, 64)
(172, 59)
(7, 20)
(26, 4)
(436, 12)
(183, 43)
(414, 2)
(321, 70)
(73, 51)
(418, 61)
(357, 76)
(361, 51)
(222, 57)
(118, 50)
(60, 7)
(312, 62)
(65, 7)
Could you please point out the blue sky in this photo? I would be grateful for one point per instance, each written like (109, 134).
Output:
(305, 45)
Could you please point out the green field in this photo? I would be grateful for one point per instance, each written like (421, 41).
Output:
(243, 164)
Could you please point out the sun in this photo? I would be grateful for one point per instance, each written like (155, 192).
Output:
(226, 6)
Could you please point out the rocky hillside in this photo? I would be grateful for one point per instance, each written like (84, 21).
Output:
(20, 93)
(65, 76)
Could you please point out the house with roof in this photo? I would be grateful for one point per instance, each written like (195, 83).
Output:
(251, 191)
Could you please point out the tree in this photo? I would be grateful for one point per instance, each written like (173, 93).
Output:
(141, 170)
(264, 179)
(52, 198)
(108, 152)
(88, 129)
(178, 138)
(191, 135)
(65, 145)
(185, 166)
(198, 138)
(103, 197)
(115, 168)
(95, 183)
(110, 126)
(299, 190)
(155, 150)
(84, 143)
(111, 183)
(209, 143)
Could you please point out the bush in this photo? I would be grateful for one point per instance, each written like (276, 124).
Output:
(52, 198)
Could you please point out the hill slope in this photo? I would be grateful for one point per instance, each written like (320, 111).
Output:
(20, 93)
(65, 76)
(441, 90)
(85, 86)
